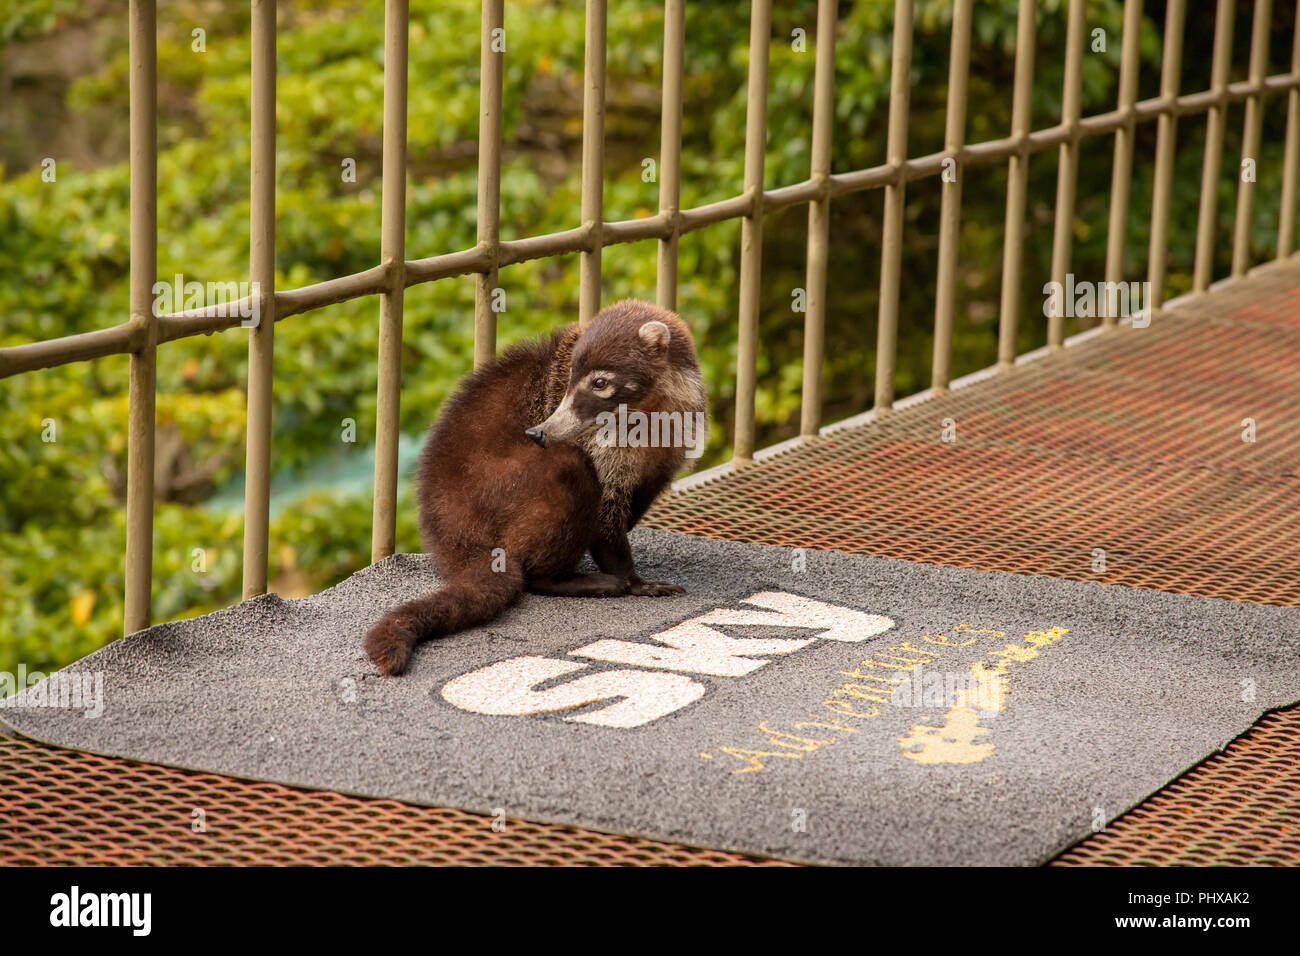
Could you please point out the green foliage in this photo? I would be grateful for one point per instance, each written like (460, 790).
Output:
(64, 250)
(26, 19)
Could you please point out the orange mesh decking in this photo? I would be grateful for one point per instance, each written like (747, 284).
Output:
(60, 806)
(1131, 443)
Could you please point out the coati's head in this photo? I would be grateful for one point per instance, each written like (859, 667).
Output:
(632, 354)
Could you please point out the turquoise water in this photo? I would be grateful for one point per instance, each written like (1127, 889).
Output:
(343, 474)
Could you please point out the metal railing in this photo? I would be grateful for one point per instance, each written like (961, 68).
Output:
(143, 332)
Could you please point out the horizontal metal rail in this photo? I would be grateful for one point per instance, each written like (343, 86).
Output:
(126, 338)
(143, 332)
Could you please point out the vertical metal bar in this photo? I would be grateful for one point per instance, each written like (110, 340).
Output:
(1259, 35)
(1122, 167)
(144, 272)
(1067, 170)
(491, 73)
(1290, 152)
(891, 252)
(670, 148)
(819, 219)
(1013, 235)
(261, 340)
(751, 229)
(1206, 224)
(383, 532)
(1167, 125)
(954, 141)
(593, 159)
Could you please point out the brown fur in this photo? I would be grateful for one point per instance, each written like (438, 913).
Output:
(483, 485)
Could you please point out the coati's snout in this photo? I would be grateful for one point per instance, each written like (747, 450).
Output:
(612, 365)
(564, 425)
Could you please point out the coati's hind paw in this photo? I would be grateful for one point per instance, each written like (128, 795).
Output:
(389, 645)
(654, 589)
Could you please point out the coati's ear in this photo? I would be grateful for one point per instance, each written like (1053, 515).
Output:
(655, 335)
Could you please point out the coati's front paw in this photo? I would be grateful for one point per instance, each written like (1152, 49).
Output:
(389, 646)
(654, 588)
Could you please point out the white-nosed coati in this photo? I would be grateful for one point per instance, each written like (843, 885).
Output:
(514, 484)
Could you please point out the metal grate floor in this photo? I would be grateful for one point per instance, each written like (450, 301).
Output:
(1130, 443)
(63, 807)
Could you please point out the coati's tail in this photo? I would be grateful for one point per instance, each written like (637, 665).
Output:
(463, 602)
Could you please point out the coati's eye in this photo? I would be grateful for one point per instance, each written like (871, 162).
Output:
(601, 383)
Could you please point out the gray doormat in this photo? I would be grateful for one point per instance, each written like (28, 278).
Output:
(815, 706)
